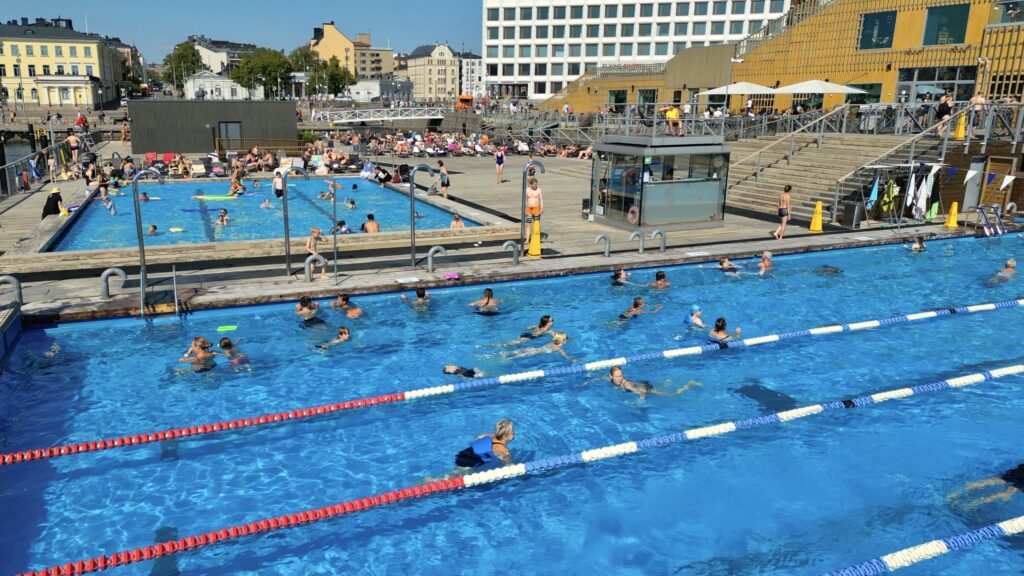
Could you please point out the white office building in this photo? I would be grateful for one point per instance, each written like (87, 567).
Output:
(471, 75)
(532, 48)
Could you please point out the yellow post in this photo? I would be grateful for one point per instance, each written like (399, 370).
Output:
(816, 218)
(951, 217)
(534, 249)
(961, 128)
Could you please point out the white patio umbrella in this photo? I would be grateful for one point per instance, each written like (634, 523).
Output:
(818, 87)
(738, 88)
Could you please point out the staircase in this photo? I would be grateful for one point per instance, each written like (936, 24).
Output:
(580, 171)
(812, 173)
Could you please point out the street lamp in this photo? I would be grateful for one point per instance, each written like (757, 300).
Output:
(21, 90)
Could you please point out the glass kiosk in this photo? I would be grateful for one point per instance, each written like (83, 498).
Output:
(675, 183)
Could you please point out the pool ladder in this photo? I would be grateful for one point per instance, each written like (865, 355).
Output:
(992, 226)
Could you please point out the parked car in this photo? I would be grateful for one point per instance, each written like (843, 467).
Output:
(124, 102)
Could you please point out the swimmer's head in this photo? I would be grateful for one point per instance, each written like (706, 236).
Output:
(766, 255)
(545, 320)
(659, 275)
(723, 261)
(450, 369)
(619, 274)
(421, 292)
(343, 298)
(305, 301)
(1011, 263)
(695, 309)
(720, 324)
(343, 332)
(488, 293)
(559, 337)
(504, 430)
(203, 343)
(355, 186)
(225, 344)
(638, 301)
(615, 373)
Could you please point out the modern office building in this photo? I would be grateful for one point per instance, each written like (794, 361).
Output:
(433, 70)
(471, 75)
(220, 56)
(533, 48)
(49, 63)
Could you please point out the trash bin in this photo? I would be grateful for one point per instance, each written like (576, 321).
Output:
(851, 215)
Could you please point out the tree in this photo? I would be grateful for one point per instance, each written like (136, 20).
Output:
(263, 67)
(304, 58)
(338, 78)
(183, 62)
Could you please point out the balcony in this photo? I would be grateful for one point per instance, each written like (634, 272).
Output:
(1006, 12)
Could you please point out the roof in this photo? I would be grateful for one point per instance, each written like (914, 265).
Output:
(44, 32)
(221, 45)
(424, 50)
(468, 56)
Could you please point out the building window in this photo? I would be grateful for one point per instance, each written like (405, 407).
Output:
(665, 9)
(542, 32)
(877, 29)
(508, 51)
(593, 11)
(627, 30)
(591, 50)
(609, 30)
(700, 9)
(557, 69)
(43, 51)
(778, 6)
(558, 50)
(645, 30)
(608, 50)
(757, 7)
(492, 14)
(508, 69)
(540, 87)
(629, 11)
(29, 51)
(46, 69)
(739, 6)
(492, 32)
(492, 51)
(682, 9)
(73, 51)
(524, 69)
(524, 51)
(559, 12)
(88, 51)
(14, 50)
(643, 49)
(611, 11)
(575, 31)
(509, 33)
(17, 70)
(678, 47)
(35, 94)
(3, 70)
(60, 69)
(510, 14)
(541, 51)
(542, 13)
(31, 70)
(661, 49)
(575, 51)
(682, 28)
(873, 96)
(736, 27)
(717, 28)
(525, 32)
(574, 69)
(2, 49)
(700, 28)
(593, 30)
(664, 28)
(588, 66)
(526, 13)
(540, 69)
(556, 86)
(58, 51)
(576, 12)
(558, 31)
(626, 49)
(754, 26)
(718, 8)
(492, 69)
(946, 25)
(646, 10)
(65, 94)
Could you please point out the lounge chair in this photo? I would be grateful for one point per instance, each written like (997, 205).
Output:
(198, 170)
(150, 158)
(166, 157)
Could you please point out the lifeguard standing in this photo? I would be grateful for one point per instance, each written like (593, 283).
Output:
(534, 208)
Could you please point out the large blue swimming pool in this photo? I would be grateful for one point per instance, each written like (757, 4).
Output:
(798, 498)
(194, 219)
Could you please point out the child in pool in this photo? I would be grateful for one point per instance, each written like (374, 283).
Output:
(235, 356)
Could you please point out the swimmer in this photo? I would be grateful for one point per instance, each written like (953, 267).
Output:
(256, 183)
(638, 308)
(152, 230)
(421, 301)
(918, 245)
(355, 186)
(343, 336)
(352, 310)
(235, 356)
(143, 197)
(1008, 271)
(222, 219)
(307, 309)
(533, 332)
(660, 282)
(488, 448)
(349, 203)
(237, 188)
(694, 318)
(199, 355)
(486, 305)
(558, 340)
(266, 204)
(464, 372)
(726, 266)
(765, 265)
(341, 228)
(642, 388)
(1012, 480)
(620, 278)
(109, 205)
(721, 333)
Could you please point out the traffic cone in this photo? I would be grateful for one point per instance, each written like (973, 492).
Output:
(534, 249)
(961, 128)
(951, 217)
(816, 219)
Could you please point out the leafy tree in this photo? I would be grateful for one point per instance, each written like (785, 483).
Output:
(183, 62)
(304, 58)
(263, 67)
(338, 78)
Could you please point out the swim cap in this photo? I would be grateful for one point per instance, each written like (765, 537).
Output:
(695, 308)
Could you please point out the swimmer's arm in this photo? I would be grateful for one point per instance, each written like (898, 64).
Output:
(566, 355)
(502, 453)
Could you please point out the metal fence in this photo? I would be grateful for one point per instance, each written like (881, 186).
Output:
(22, 174)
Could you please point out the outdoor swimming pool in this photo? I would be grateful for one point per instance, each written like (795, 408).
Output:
(196, 218)
(802, 497)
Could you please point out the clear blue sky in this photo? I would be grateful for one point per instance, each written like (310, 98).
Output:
(155, 27)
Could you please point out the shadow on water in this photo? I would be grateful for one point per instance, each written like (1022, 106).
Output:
(771, 401)
(23, 382)
(165, 565)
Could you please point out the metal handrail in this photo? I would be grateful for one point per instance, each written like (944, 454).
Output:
(844, 108)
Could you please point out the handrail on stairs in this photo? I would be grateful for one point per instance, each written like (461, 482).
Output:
(842, 108)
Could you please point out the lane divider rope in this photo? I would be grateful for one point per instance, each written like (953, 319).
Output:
(503, 473)
(478, 383)
(928, 550)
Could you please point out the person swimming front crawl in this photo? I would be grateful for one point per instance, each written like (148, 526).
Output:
(642, 388)
(460, 371)
(235, 356)
(558, 340)
(488, 448)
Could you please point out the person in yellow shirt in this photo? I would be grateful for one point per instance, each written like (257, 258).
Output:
(675, 125)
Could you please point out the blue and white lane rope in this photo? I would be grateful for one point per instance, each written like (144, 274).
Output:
(402, 396)
(928, 550)
(719, 429)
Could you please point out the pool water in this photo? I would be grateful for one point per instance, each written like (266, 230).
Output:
(798, 498)
(196, 218)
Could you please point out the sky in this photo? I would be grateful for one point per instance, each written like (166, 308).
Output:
(158, 27)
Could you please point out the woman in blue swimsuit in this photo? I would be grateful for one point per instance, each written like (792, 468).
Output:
(499, 162)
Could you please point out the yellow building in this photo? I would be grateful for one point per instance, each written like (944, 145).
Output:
(434, 72)
(328, 41)
(47, 63)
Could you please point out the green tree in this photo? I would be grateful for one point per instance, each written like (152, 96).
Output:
(181, 63)
(304, 58)
(338, 78)
(263, 67)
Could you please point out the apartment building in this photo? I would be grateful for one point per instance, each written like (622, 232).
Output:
(433, 70)
(220, 56)
(372, 62)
